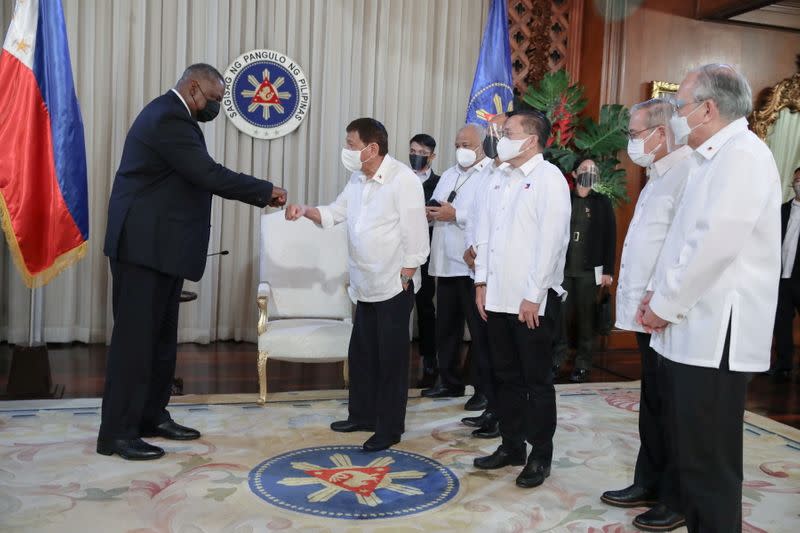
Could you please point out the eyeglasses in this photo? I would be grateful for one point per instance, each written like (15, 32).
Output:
(635, 134)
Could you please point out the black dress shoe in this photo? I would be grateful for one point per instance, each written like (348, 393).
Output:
(534, 474)
(442, 391)
(476, 421)
(130, 449)
(347, 426)
(490, 430)
(172, 431)
(500, 458)
(376, 443)
(659, 518)
(579, 375)
(632, 496)
(478, 402)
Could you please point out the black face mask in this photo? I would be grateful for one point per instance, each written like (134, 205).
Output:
(490, 146)
(418, 162)
(210, 111)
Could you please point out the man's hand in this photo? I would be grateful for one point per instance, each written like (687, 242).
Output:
(480, 301)
(469, 257)
(606, 280)
(295, 211)
(651, 322)
(408, 272)
(642, 306)
(278, 197)
(445, 213)
(529, 314)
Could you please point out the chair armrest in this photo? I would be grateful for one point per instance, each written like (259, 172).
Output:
(262, 300)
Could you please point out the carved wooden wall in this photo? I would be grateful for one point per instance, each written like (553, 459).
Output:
(545, 36)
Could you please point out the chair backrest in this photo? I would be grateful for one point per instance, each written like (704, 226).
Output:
(306, 267)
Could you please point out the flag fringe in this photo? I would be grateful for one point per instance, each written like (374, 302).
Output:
(40, 279)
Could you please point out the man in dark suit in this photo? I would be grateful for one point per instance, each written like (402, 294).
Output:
(590, 262)
(157, 236)
(789, 288)
(421, 153)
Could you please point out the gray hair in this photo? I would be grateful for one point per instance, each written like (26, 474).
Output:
(479, 130)
(727, 87)
(201, 70)
(658, 111)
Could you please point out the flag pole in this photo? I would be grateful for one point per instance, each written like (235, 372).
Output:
(30, 375)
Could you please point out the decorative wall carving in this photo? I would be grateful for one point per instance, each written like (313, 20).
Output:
(545, 37)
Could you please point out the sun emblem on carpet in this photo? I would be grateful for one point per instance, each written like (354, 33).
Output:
(344, 482)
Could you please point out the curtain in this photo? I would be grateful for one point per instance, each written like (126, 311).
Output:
(407, 63)
(784, 141)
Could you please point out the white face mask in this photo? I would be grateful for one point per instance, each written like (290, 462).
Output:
(466, 157)
(638, 155)
(796, 187)
(680, 126)
(351, 159)
(508, 149)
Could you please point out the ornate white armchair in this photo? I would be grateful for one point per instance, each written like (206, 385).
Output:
(305, 313)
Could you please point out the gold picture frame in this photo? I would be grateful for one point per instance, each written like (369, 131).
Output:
(785, 94)
(660, 89)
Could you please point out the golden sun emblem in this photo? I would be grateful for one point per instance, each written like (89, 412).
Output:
(21, 45)
(360, 480)
(498, 107)
(265, 93)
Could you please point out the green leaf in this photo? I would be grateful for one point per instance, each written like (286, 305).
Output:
(607, 136)
(94, 494)
(563, 158)
(219, 494)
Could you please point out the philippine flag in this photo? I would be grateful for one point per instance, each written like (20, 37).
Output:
(43, 192)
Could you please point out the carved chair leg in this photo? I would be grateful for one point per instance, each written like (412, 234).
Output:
(262, 376)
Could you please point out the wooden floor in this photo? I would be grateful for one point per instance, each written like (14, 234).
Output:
(230, 367)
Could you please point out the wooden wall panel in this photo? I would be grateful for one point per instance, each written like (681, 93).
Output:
(659, 45)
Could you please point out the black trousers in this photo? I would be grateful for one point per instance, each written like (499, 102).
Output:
(522, 360)
(788, 305)
(426, 316)
(655, 468)
(581, 301)
(705, 413)
(378, 359)
(141, 359)
(455, 303)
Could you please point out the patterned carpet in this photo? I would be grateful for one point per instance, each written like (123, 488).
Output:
(279, 467)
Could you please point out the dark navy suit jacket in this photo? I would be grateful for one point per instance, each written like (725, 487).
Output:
(160, 206)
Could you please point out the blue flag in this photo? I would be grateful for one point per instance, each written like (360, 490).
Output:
(492, 89)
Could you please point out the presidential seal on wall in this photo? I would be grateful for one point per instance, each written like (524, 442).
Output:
(266, 94)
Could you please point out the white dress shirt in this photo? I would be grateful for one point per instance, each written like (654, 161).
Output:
(447, 243)
(721, 261)
(183, 101)
(479, 204)
(386, 229)
(522, 244)
(651, 220)
(789, 247)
